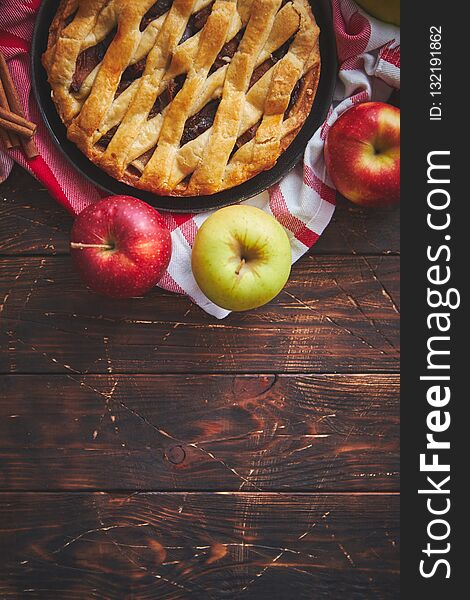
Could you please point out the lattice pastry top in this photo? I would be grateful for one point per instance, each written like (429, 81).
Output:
(183, 97)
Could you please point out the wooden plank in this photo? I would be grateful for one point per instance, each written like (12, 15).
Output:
(180, 546)
(336, 314)
(206, 432)
(32, 222)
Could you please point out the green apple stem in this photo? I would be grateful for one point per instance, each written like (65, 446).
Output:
(240, 266)
(79, 245)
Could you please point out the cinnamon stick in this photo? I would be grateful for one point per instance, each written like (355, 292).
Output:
(5, 143)
(8, 115)
(9, 140)
(5, 140)
(13, 127)
(28, 145)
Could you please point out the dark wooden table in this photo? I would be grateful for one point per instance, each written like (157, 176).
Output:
(149, 451)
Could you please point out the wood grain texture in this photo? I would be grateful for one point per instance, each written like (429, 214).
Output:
(236, 451)
(326, 432)
(335, 314)
(197, 546)
(31, 222)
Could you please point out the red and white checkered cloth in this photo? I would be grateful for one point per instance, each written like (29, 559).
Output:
(303, 202)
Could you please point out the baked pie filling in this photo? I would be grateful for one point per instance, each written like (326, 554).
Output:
(183, 97)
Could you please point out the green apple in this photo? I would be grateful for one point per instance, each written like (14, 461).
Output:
(385, 10)
(241, 257)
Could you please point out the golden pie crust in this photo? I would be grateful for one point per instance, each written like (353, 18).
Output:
(183, 97)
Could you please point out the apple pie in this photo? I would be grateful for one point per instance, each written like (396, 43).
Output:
(183, 97)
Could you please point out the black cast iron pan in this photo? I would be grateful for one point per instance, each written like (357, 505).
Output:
(322, 12)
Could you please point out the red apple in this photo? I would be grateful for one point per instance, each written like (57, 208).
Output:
(362, 154)
(120, 246)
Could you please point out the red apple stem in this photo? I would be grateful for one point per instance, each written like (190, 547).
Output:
(80, 246)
